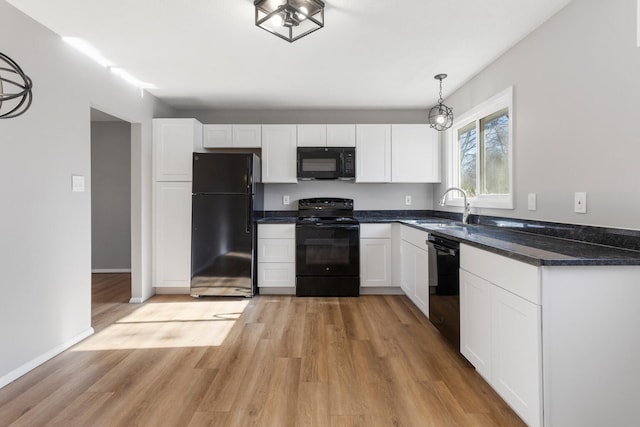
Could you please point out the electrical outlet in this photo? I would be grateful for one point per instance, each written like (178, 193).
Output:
(531, 201)
(580, 202)
(77, 183)
(407, 200)
(285, 200)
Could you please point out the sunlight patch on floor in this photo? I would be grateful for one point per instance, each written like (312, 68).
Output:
(197, 323)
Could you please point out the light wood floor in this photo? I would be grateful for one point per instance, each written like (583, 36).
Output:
(266, 361)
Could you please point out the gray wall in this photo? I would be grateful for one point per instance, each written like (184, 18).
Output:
(110, 196)
(45, 228)
(577, 102)
(366, 196)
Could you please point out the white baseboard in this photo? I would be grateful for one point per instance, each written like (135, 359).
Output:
(111, 270)
(34, 363)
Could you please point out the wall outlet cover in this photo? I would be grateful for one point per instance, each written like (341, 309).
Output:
(531, 201)
(580, 202)
(407, 200)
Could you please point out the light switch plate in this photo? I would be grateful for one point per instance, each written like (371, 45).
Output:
(77, 183)
(580, 202)
(531, 202)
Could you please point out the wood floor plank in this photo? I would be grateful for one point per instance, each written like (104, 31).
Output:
(266, 361)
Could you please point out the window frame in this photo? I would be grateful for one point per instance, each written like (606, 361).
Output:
(502, 100)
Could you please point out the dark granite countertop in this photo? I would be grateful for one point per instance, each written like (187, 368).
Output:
(533, 242)
(527, 247)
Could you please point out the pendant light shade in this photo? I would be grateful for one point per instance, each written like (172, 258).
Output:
(289, 19)
(15, 89)
(440, 116)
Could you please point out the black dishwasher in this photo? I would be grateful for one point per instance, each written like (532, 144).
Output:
(444, 294)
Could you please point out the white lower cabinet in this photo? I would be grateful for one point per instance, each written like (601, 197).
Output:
(276, 256)
(172, 235)
(501, 327)
(375, 255)
(414, 265)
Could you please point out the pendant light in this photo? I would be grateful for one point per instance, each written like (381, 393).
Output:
(289, 19)
(440, 116)
(15, 89)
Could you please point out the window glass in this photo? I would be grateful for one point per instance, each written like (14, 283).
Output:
(468, 155)
(495, 153)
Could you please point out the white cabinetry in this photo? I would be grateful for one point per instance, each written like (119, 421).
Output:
(414, 264)
(375, 255)
(276, 256)
(172, 236)
(173, 144)
(232, 136)
(373, 153)
(500, 330)
(279, 154)
(415, 154)
(326, 135)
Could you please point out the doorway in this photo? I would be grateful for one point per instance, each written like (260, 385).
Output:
(110, 203)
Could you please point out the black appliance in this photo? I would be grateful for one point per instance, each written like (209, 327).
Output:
(326, 163)
(327, 248)
(444, 294)
(226, 193)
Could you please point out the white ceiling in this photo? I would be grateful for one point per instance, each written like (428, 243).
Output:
(370, 54)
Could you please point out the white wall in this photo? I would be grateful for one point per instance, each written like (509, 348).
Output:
(45, 229)
(577, 102)
(110, 196)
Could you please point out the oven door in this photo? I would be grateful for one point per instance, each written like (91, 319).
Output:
(327, 250)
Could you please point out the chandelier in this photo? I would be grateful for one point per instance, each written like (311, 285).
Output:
(440, 116)
(289, 19)
(15, 89)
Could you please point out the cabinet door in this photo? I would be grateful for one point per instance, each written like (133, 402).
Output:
(276, 250)
(373, 153)
(172, 234)
(375, 262)
(217, 136)
(341, 135)
(173, 144)
(407, 269)
(247, 136)
(415, 154)
(279, 154)
(276, 274)
(312, 135)
(422, 280)
(475, 322)
(516, 372)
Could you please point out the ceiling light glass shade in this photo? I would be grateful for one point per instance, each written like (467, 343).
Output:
(289, 19)
(440, 116)
(15, 89)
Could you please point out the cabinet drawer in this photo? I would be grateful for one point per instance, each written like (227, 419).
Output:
(281, 274)
(514, 276)
(414, 236)
(276, 231)
(375, 231)
(276, 250)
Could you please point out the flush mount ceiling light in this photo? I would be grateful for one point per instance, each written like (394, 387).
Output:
(15, 89)
(440, 116)
(289, 19)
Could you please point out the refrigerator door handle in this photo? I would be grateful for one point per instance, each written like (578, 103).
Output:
(249, 214)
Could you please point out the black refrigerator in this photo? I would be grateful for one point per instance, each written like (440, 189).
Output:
(226, 194)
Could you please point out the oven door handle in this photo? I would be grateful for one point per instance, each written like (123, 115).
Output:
(317, 225)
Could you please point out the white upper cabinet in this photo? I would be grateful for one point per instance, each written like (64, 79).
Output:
(415, 154)
(312, 135)
(227, 136)
(373, 153)
(341, 135)
(279, 160)
(174, 141)
(326, 135)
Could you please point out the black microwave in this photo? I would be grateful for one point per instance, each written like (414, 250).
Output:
(326, 163)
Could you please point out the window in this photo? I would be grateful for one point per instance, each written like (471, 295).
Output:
(480, 152)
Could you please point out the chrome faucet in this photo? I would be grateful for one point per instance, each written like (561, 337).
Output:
(466, 211)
